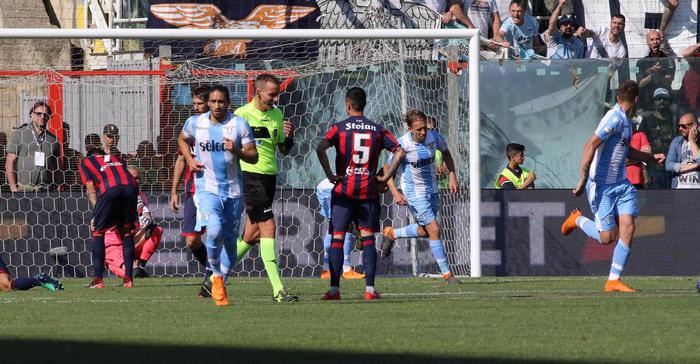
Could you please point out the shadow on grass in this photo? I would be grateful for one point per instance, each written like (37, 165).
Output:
(57, 351)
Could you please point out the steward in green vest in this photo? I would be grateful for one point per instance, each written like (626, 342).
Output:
(515, 177)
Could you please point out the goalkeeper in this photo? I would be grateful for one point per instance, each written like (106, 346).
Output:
(147, 237)
(420, 188)
(323, 194)
(25, 283)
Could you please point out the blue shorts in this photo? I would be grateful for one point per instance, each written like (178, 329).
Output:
(610, 201)
(3, 268)
(364, 213)
(116, 207)
(213, 210)
(425, 208)
(189, 223)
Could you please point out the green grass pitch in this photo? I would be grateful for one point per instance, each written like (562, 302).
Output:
(488, 320)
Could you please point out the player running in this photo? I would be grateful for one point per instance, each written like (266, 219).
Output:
(271, 133)
(193, 237)
(323, 194)
(114, 208)
(24, 283)
(612, 198)
(358, 142)
(220, 140)
(420, 188)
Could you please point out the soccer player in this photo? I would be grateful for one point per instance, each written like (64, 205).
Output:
(420, 188)
(24, 283)
(115, 207)
(358, 142)
(271, 133)
(147, 237)
(612, 198)
(221, 140)
(193, 237)
(323, 194)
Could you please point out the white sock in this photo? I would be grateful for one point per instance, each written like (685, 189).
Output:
(369, 289)
(347, 268)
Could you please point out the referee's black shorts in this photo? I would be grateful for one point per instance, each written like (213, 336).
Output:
(258, 195)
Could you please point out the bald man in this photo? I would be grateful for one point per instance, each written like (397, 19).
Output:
(656, 70)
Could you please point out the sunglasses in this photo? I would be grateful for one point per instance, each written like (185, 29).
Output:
(42, 114)
(685, 126)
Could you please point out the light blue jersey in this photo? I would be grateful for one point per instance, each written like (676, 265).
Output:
(324, 190)
(418, 173)
(222, 173)
(615, 130)
(520, 36)
(558, 47)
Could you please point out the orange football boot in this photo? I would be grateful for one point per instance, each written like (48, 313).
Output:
(325, 274)
(569, 224)
(218, 291)
(352, 274)
(617, 286)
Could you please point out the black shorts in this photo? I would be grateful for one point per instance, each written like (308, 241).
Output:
(3, 268)
(364, 213)
(189, 224)
(116, 207)
(258, 195)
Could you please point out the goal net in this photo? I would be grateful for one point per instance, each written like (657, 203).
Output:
(146, 94)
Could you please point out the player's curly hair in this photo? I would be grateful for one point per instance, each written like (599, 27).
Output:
(414, 115)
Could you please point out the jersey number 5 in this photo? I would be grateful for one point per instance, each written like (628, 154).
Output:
(360, 153)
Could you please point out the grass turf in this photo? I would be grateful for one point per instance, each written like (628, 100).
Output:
(488, 320)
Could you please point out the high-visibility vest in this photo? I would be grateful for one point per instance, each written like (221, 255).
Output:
(517, 181)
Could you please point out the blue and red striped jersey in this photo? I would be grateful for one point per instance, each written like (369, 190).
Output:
(189, 177)
(358, 142)
(106, 171)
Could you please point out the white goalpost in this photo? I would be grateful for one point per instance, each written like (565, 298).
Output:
(375, 58)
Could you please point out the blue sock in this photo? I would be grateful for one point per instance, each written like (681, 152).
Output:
(128, 251)
(326, 250)
(336, 261)
(347, 249)
(410, 231)
(588, 227)
(369, 259)
(440, 256)
(24, 283)
(229, 252)
(214, 248)
(620, 255)
(98, 256)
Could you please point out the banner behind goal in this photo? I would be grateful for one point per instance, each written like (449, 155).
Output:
(147, 96)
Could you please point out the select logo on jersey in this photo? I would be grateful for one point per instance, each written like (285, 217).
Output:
(351, 171)
(353, 126)
(422, 163)
(109, 164)
(211, 146)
